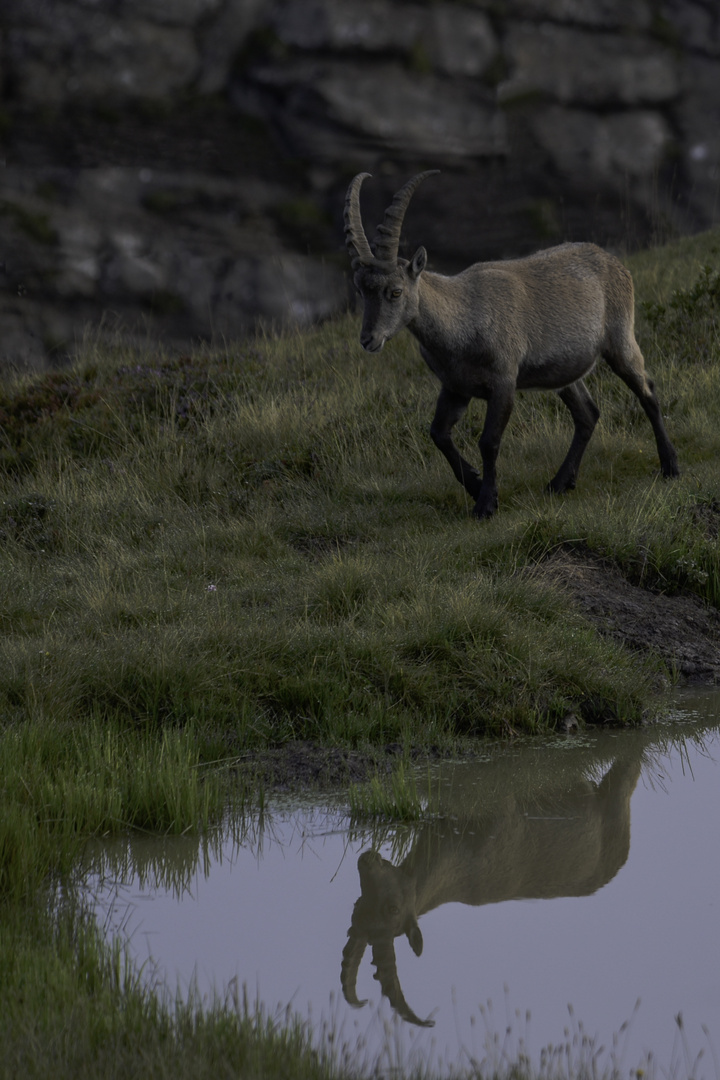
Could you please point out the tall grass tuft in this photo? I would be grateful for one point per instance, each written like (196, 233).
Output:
(394, 798)
(63, 784)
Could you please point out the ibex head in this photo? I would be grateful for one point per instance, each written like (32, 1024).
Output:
(385, 910)
(388, 285)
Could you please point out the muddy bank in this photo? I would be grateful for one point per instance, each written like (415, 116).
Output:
(680, 629)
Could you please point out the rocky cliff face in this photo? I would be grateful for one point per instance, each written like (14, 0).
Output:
(177, 167)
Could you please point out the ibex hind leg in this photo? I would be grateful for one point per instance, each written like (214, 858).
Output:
(629, 364)
(585, 415)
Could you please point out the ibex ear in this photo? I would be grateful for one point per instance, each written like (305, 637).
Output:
(415, 937)
(417, 263)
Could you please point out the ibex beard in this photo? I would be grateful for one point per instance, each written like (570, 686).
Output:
(535, 323)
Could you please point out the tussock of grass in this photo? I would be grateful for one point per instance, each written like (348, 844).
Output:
(62, 784)
(395, 797)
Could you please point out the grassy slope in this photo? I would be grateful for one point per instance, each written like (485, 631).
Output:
(260, 543)
(265, 544)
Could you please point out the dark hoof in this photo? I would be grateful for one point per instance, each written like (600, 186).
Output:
(557, 487)
(482, 511)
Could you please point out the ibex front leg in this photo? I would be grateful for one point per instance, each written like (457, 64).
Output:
(499, 406)
(450, 407)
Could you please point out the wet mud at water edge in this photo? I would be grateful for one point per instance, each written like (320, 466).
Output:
(551, 887)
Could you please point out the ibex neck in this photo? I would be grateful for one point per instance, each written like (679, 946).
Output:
(440, 320)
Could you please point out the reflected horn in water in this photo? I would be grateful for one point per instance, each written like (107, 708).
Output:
(352, 955)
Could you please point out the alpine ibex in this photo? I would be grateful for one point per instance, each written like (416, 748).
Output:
(568, 840)
(536, 323)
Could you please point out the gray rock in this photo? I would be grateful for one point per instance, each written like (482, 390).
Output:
(224, 37)
(193, 277)
(413, 114)
(110, 190)
(384, 85)
(283, 290)
(368, 25)
(449, 37)
(634, 143)
(34, 333)
(79, 257)
(170, 12)
(603, 14)
(460, 41)
(603, 150)
(696, 25)
(698, 115)
(133, 268)
(30, 248)
(381, 107)
(21, 347)
(67, 53)
(111, 247)
(575, 67)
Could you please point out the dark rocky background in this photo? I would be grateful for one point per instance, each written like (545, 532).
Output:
(177, 168)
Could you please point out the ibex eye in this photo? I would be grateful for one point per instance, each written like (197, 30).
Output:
(395, 293)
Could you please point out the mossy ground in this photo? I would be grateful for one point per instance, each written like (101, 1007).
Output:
(226, 552)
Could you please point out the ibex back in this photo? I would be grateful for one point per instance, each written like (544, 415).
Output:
(537, 323)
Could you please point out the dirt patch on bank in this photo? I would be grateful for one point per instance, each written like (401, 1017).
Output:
(306, 765)
(680, 629)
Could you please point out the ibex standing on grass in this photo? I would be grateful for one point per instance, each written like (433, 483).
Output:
(537, 323)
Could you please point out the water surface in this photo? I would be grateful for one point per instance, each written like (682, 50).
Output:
(583, 873)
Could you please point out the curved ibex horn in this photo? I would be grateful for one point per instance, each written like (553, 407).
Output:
(351, 957)
(383, 955)
(354, 233)
(387, 238)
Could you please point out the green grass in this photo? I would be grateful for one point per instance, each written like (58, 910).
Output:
(74, 1009)
(62, 783)
(220, 553)
(265, 544)
(394, 797)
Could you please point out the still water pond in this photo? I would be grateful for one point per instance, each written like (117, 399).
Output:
(582, 874)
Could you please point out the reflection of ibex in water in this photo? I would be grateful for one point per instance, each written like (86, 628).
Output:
(562, 843)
